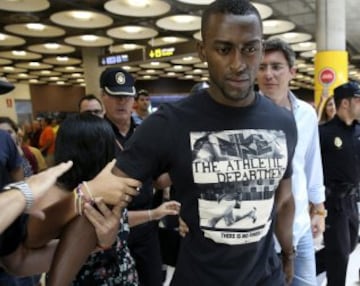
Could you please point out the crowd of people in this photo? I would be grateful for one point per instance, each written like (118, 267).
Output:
(254, 178)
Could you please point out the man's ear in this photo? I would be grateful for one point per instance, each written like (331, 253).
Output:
(201, 50)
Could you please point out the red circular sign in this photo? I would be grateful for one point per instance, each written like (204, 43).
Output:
(327, 76)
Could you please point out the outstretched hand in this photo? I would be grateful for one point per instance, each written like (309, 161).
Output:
(166, 208)
(40, 183)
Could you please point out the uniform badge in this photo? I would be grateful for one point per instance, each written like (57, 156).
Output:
(338, 142)
(120, 78)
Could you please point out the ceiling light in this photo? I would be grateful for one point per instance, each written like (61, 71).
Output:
(89, 38)
(138, 3)
(183, 19)
(178, 67)
(8, 68)
(129, 46)
(34, 64)
(35, 26)
(170, 39)
(52, 46)
(155, 63)
(76, 75)
(187, 58)
(132, 29)
(23, 75)
(19, 53)
(45, 72)
(81, 15)
(2, 37)
(62, 59)
(197, 2)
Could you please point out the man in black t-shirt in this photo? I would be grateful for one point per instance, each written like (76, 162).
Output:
(250, 172)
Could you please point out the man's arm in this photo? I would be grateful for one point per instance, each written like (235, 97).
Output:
(315, 182)
(12, 204)
(285, 208)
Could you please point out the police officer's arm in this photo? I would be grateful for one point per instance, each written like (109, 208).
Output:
(285, 208)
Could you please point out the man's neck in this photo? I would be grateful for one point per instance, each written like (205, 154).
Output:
(344, 116)
(282, 100)
(123, 126)
(142, 113)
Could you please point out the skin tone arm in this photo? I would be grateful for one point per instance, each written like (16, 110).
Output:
(317, 213)
(166, 208)
(25, 261)
(12, 202)
(285, 208)
(79, 236)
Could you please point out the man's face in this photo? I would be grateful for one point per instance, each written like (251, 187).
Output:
(232, 47)
(274, 75)
(92, 106)
(354, 108)
(143, 103)
(118, 108)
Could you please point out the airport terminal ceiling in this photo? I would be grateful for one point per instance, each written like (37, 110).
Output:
(41, 41)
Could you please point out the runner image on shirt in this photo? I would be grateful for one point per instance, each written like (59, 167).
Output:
(237, 172)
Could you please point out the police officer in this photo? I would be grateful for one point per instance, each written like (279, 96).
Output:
(340, 148)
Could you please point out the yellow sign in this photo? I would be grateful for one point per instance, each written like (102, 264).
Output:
(331, 70)
(161, 52)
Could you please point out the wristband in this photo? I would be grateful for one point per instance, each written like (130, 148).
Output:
(149, 215)
(24, 188)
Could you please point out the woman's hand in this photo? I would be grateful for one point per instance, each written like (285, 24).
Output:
(166, 208)
(106, 222)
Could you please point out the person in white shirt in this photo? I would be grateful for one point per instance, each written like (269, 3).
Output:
(275, 72)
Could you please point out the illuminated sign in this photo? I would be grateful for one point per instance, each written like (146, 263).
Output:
(161, 52)
(115, 59)
(173, 50)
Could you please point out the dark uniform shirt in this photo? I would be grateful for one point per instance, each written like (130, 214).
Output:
(340, 148)
(144, 199)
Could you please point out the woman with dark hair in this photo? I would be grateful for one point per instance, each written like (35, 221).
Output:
(88, 141)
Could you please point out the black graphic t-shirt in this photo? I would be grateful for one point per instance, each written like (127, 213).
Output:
(225, 164)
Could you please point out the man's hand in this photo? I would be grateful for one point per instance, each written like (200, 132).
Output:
(318, 214)
(113, 189)
(105, 221)
(288, 266)
(183, 228)
(317, 225)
